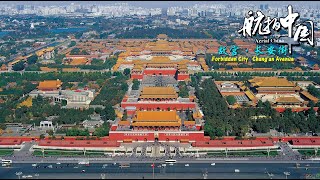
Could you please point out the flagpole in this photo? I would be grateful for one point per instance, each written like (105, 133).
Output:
(153, 170)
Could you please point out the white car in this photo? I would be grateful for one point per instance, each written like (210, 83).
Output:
(58, 163)
(213, 164)
(186, 165)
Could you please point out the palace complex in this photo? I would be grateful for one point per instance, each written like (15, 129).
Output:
(162, 57)
(280, 92)
(156, 112)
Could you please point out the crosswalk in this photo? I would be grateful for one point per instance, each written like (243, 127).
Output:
(156, 150)
(288, 151)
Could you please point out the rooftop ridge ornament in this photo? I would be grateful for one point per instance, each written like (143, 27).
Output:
(252, 25)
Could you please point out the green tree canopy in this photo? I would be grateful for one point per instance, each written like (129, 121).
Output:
(231, 100)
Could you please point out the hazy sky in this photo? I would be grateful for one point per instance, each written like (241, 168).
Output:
(163, 4)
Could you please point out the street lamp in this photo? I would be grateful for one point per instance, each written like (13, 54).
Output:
(205, 174)
(152, 170)
(19, 174)
(36, 175)
(42, 152)
(226, 152)
(287, 174)
(103, 176)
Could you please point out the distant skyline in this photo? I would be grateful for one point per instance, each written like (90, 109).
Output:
(162, 4)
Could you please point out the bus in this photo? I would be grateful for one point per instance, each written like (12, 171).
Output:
(171, 161)
(6, 163)
(124, 165)
(84, 162)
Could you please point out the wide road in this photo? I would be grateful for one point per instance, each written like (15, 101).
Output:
(144, 170)
(35, 49)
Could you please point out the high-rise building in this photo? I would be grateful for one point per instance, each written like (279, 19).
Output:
(20, 7)
(164, 11)
(261, 7)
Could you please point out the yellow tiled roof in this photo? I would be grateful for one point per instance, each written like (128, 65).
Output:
(158, 92)
(156, 124)
(288, 99)
(48, 69)
(271, 81)
(309, 96)
(124, 123)
(162, 36)
(50, 84)
(250, 95)
(189, 123)
(156, 116)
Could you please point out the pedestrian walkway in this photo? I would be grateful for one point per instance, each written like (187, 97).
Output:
(287, 151)
(25, 150)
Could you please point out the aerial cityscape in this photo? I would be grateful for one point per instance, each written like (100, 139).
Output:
(159, 90)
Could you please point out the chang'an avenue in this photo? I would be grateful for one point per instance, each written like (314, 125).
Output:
(162, 93)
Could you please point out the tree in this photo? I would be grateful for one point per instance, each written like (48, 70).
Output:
(126, 71)
(311, 104)
(42, 136)
(231, 100)
(72, 43)
(108, 113)
(314, 91)
(19, 66)
(260, 103)
(50, 132)
(100, 82)
(33, 67)
(125, 116)
(135, 85)
(102, 131)
(32, 59)
(75, 51)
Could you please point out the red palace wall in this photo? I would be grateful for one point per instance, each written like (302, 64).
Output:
(182, 77)
(178, 106)
(140, 136)
(131, 112)
(162, 136)
(48, 89)
(136, 76)
(177, 136)
(79, 143)
(87, 56)
(170, 72)
(276, 92)
(282, 109)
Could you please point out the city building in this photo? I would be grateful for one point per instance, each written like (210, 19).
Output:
(47, 53)
(46, 125)
(75, 99)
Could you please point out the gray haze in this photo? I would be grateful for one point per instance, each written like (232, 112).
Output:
(162, 4)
